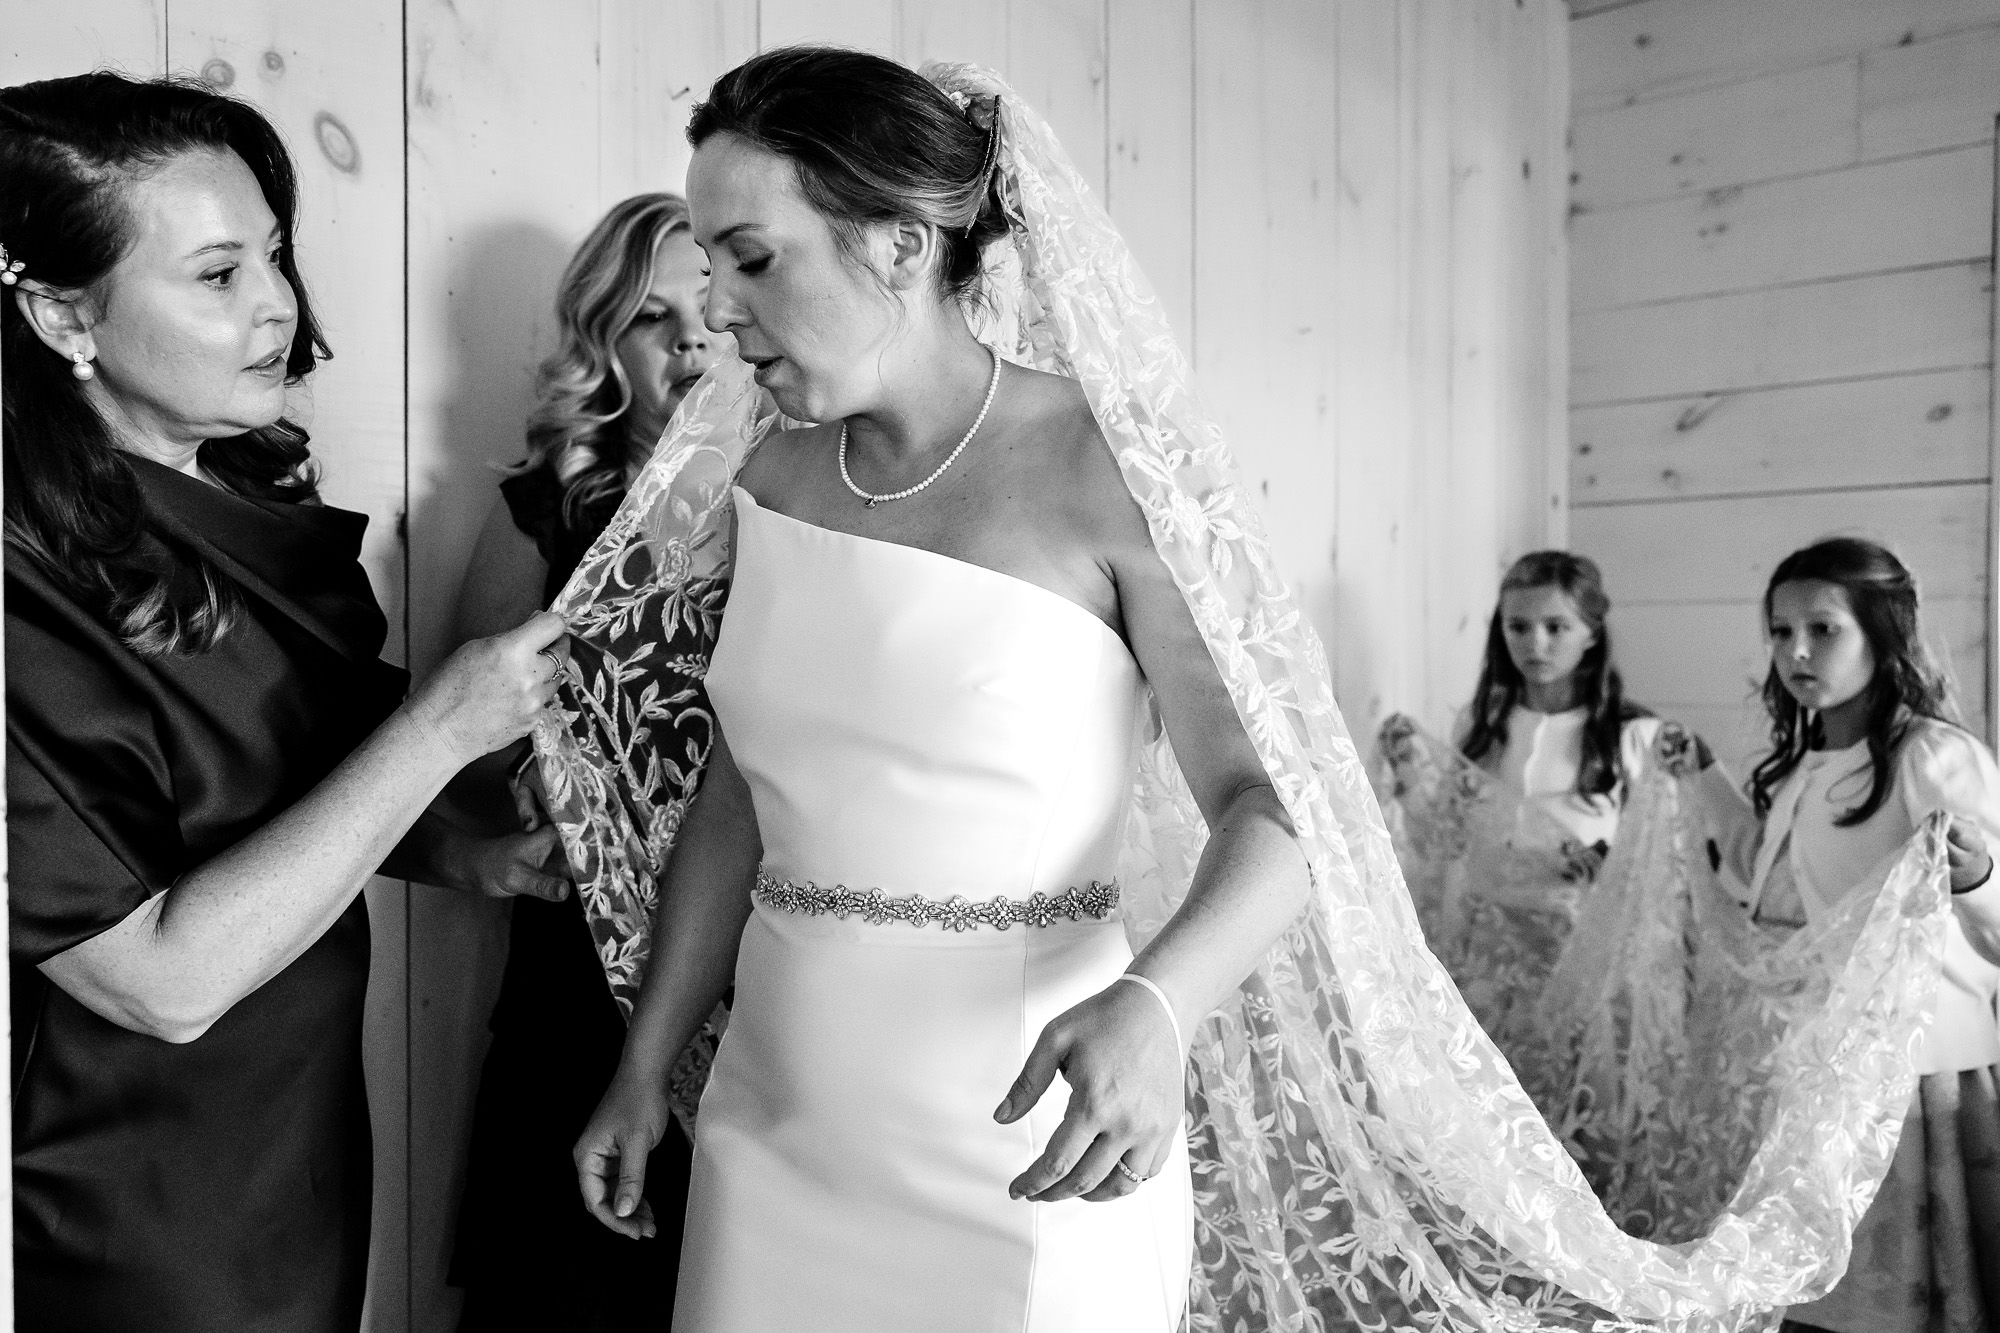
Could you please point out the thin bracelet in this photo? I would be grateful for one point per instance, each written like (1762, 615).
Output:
(1980, 883)
(1165, 1004)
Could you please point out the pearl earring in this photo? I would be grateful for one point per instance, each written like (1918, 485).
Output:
(81, 367)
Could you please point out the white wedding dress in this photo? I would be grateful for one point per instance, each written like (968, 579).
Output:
(929, 728)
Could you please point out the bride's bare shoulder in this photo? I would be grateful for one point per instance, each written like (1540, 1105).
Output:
(1055, 413)
(1070, 447)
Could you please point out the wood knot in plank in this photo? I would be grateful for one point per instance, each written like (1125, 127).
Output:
(336, 141)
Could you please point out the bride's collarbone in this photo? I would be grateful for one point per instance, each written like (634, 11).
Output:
(1011, 505)
(1002, 532)
(970, 523)
(975, 506)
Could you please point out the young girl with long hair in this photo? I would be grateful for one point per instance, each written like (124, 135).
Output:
(1863, 749)
(1550, 717)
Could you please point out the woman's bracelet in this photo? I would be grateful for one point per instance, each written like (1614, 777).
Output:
(1165, 1003)
(1979, 883)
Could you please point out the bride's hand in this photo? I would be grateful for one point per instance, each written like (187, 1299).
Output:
(1125, 1070)
(611, 1156)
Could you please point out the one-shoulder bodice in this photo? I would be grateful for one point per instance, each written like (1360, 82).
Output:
(916, 723)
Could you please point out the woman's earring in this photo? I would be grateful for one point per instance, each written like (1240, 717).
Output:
(80, 365)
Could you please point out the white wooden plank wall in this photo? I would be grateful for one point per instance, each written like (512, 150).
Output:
(1782, 305)
(1352, 212)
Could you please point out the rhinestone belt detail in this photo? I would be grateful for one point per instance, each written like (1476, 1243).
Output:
(1095, 900)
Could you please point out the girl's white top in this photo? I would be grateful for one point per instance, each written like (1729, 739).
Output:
(1543, 755)
(1800, 863)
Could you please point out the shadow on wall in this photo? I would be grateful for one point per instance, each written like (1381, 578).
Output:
(498, 320)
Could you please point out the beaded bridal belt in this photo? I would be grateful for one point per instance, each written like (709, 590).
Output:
(1094, 900)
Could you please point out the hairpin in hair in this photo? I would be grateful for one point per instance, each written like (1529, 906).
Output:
(992, 137)
(9, 271)
(990, 158)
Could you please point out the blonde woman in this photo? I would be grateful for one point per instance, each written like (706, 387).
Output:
(632, 345)
(628, 314)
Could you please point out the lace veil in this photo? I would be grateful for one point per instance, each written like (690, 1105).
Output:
(1647, 1014)
(1496, 880)
(1364, 1158)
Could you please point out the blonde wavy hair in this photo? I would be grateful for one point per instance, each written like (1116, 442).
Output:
(580, 390)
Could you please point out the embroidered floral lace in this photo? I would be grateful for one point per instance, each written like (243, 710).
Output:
(1496, 882)
(1693, 1054)
(1363, 1156)
(1643, 1011)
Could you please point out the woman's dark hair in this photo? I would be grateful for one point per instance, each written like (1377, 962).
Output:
(1906, 685)
(68, 150)
(1599, 688)
(872, 141)
(581, 390)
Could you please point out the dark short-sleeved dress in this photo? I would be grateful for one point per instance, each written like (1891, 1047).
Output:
(222, 1183)
(528, 1254)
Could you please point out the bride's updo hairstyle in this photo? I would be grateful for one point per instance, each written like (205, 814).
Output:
(871, 141)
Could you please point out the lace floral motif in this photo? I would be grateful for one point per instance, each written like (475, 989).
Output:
(1363, 1155)
(1645, 1014)
(1096, 901)
(634, 731)
(1688, 1043)
(1497, 883)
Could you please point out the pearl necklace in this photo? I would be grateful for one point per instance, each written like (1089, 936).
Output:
(871, 501)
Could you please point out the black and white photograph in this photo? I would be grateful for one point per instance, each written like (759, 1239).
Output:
(1001, 666)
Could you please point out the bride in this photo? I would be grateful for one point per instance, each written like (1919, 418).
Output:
(945, 604)
(1026, 765)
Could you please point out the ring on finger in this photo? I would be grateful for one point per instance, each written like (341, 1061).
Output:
(554, 661)
(1128, 1173)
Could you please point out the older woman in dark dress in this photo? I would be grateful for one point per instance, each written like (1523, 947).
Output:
(205, 757)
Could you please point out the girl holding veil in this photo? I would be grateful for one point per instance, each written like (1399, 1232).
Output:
(1027, 767)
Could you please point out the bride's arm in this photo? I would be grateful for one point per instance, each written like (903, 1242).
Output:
(1116, 1050)
(698, 922)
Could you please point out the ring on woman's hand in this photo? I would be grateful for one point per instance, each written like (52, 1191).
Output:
(554, 661)
(1127, 1172)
